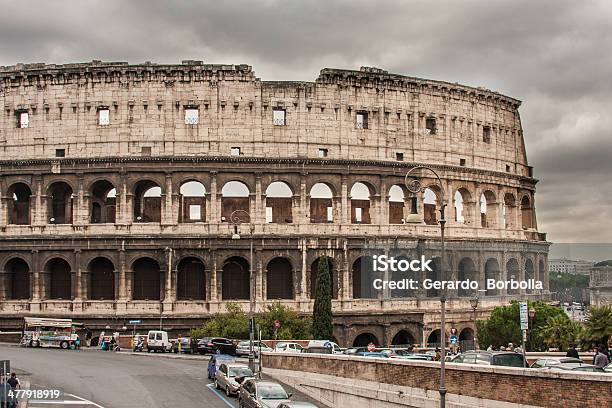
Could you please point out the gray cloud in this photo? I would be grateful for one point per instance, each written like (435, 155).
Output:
(553, 55)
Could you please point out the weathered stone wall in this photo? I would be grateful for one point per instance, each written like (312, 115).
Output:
(467, 385)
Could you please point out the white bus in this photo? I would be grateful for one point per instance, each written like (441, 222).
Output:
(46, 332)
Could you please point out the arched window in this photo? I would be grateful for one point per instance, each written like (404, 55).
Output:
(430, 209)
(60, 203)
(488, 210)
(192, 202)
(279, 279)
(17, 279)
(191, 280)
(462, 200)
(512, 272)
(279, 198)
(492, 271)
(396, 205)
(147, 279)
(235, 280)
(103, 202)
(147, 202)
(509, 211)
(467, 270)
(527, 213)
(360, 204)
(321, 204)
(234, 197)
(101, 279)
(58, 279)
(19, 195)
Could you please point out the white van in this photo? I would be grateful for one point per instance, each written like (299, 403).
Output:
(157, 340)
(316, 344)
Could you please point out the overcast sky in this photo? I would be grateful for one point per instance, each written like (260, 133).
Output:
(553, 55)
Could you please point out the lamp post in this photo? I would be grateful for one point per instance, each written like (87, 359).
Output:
(414, 186)
(237, 218)
(474, 304)
(532, 313)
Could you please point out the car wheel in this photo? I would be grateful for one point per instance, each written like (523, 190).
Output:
(64, 345)
(216, 384)
(227, 391)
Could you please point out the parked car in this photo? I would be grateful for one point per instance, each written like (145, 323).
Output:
(242, 349)
(608, 368)
(262, 394)
(297, 404)
(213, 345)
(496, 358)
(230, 376)
(550, 361)
(372, 354)
(285, 347)
(355, 350)
(408, 355)
(316, 345)
(215, 361)
(576, 367)
(157, 340)
(188, 345)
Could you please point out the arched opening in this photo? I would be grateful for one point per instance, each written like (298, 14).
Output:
(19, 195)
(102, 279)
(529, 272)
(236, 279)
(541, 270)
(58, 277)
(466, 339)
(467, 270)
(360, 204)
(488, 209)
(512, 272)
(430, 206)
(321, 204)
(191, 279)
(147, 202)
(433, 340)
(362, 278)
(434, 275)
(192, 199)
(60, 203)
(235, 197)
(492, 271)
(147, 279)
(364, 339)
(462, 200)
(279, 279)
(313, 277)
(403, 338)
(17, 279)
(509, 211)
(279, 202)
(396, 205)
(103, 202)
(526, 212)
(398, 275)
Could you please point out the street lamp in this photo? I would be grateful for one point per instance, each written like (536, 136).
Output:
(531, 312)
(236, 218)
(474, 304)
(414, 186)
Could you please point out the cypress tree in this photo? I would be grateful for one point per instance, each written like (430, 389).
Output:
(322, 313)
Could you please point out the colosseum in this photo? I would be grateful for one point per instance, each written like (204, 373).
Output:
(161, 192)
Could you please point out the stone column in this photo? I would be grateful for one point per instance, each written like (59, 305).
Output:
(78, 288)
(35, 282)
(169, 292)
(122, 286)
(304, 290)
(214, 294)
(303, 215)
(259, 216)
(346, 289)
(4, 204)
(167, 216)
(81, 209)
(345, 209)
(383, 202)
(40, 203)
(215, 214)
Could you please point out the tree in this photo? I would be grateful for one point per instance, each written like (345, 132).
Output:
(292, 325)
(559, 332)
(234, 324)
(598, 326)
(569, 287)
(322, 327)
(503, 326)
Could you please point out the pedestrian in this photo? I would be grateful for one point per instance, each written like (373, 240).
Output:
(490, 348)
(6, 399)
(594, 348)
(14, 382)
(572, 352)
(518, 349)
(438, 354)
(601, 360)
(88, 336)
(77, 343)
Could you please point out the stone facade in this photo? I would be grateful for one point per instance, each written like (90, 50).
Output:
(97, 222)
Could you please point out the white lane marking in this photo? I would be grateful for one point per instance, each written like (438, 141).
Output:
(218, 394)
(83, 400)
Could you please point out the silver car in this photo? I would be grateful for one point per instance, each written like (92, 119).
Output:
(297, 404)
(262, 394)
(229, 377)
(243, 348)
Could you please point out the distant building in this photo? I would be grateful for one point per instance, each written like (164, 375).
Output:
(570, 266)
(600, 286)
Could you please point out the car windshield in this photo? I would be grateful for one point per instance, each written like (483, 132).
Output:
(271, 391)
(240, 372)
(509, 360)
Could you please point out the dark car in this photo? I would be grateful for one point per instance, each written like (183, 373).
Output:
(215, 361)
(214, 345)
(496, 358)
(188, 345)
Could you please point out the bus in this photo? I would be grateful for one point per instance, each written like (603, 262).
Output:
(47, 332)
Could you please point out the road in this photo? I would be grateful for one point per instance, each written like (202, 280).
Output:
(119, 380)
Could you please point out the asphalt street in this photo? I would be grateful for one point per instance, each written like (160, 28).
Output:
(93, 378)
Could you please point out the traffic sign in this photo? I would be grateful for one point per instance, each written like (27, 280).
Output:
(523, 312)
(135, 321)
(453, 339)
(371, 347)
